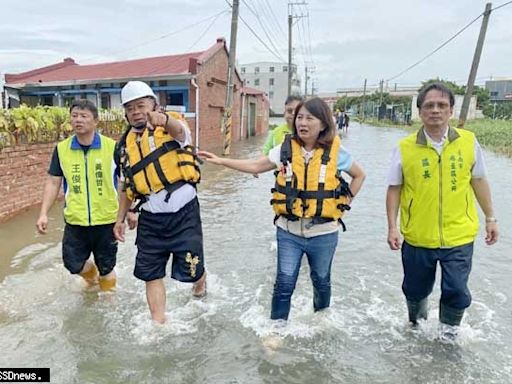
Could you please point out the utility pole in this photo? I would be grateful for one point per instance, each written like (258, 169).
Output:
(363, 101)
(474, 67)
(290, 25)
(306, 81)
(227, 117)
(381, 91)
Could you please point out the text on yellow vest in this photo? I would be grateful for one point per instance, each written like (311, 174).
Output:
(437, 204)
(90, 181)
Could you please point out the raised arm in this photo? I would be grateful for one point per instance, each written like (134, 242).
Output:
(263, 164)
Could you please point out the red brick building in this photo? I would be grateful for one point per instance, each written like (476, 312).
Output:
(195, 81)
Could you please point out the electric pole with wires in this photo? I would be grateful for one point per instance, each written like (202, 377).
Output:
(227, 116)
(291, 16)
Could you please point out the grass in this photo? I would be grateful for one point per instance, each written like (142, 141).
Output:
(495, 135)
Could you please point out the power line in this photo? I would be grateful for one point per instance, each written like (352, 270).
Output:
(502, 5)
(447, 41)
(165, 36)
(283, 33)
(262, 26)
(437, 49)
(259, 39)
(206, 30)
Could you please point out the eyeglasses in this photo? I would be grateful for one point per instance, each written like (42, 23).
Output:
(290, 110)
(431, 105)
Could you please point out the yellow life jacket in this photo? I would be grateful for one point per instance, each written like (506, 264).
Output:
(153, 160)
(314, 190)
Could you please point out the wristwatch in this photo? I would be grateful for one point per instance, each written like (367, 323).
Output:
(491, 220)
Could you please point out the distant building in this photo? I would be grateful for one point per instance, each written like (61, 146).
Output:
(196, 81)
(271, 78)
(500, 90)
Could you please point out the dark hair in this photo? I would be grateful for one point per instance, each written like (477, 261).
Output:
(292, 98)
(437, 87)
(84, 104)
(318, 108)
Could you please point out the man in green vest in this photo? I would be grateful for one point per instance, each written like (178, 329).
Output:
(434, 177)
(86, 163)
(276, 135)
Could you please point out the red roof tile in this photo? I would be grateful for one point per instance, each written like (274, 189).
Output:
(69, 71)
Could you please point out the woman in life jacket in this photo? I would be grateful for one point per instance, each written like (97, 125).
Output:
(309, 199)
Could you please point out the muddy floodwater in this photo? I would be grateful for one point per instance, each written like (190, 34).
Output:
(46, 320)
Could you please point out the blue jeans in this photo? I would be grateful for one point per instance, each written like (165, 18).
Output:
(290, 248)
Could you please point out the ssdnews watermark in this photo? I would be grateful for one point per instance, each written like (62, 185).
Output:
(24, 375)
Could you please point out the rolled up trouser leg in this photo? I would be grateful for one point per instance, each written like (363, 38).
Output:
(417, 310)
(450, 316)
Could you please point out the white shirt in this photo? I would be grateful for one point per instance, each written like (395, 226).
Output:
(395, 174)
(179, 198)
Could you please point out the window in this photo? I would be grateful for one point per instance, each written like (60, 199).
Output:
(494, 93)
(271, 69)
(105, 101)
(174, 98)
(256, 69)
(243, 69)
(271, 95)
(271, 81)
(47, 100)
(285, 68)
(256, 81)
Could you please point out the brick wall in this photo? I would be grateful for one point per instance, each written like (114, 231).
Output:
(212, 80)
(23, 170)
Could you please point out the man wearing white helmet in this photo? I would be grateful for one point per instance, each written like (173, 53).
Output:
(160, 170)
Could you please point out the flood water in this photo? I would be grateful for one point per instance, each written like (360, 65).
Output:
(46, 320)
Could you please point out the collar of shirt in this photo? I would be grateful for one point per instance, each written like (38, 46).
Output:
(432, 141)
(308, 155)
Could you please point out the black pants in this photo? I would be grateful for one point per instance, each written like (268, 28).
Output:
(79, 241)
(161, 234)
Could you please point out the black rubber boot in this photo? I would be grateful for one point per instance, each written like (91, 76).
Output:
(450, 316)
(417, 310)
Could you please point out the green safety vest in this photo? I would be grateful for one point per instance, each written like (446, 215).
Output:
(276, 137)
(437, 203)
(90, 181)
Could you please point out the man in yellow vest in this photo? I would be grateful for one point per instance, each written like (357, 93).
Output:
(86, 163)
(434, 177)
(160, 170)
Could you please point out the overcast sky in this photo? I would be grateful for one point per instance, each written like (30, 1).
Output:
(346, 41)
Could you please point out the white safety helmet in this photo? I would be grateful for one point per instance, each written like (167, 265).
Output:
(135, 90)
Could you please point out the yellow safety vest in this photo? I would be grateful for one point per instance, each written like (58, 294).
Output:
(155, 161)
(313, 190)
(437, 203)
(90, 181)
